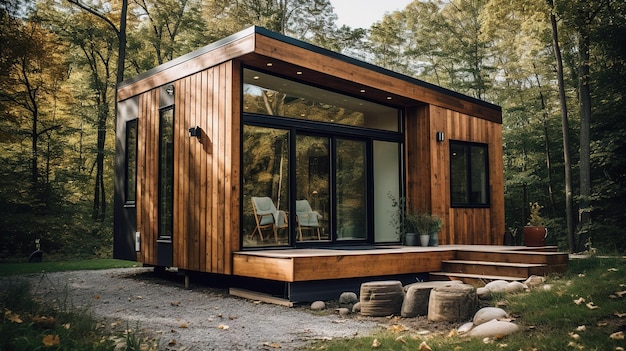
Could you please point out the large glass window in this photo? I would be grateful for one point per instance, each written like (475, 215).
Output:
(166, 174)
(131, 161)
(266, 186)
(270, 95)
(323, 163)
(469, 180)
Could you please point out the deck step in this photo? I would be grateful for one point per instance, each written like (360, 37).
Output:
(471, 278)
(488, 268)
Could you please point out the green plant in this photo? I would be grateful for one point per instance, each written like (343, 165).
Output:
(406, 221)
(535, 218)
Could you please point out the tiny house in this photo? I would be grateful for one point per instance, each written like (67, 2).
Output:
(265, 157)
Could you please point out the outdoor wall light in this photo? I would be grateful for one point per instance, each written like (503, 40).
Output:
(195, 132)
(439, 136)
(170, 90)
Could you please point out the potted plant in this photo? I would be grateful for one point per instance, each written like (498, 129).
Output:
(535, 232)
(410, 225)
(427, 225)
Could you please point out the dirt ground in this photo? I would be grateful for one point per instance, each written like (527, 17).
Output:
(203, 317)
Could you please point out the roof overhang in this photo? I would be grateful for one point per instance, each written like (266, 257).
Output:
(262, 49)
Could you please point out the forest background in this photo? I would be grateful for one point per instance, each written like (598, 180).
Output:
(557, 68)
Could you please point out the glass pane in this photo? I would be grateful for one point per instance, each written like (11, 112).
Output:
(386, 181)
(458, 174)
(270, 95)
(131, 160)
(479, 175)
(166, 174)
(266, 176)
(312, 187)
(351, 190)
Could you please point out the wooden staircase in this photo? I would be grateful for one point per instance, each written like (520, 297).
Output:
(515, 264)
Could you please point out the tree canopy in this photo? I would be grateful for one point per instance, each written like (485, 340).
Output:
(60, 62)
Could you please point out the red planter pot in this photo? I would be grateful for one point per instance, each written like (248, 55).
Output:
(535, 236)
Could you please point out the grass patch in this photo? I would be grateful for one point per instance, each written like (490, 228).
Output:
(31, 324)
(548, 319)
(7, 269)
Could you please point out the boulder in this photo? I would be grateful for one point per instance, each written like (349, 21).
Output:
(356, 308)
(534, 281)
(494, 328)
(483, 293)
(347, 298)
(318, 305)
(497, 286)
(515, 287)
(465, 328)
(487, 314)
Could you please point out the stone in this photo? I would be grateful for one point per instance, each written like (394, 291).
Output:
(318, 305)
(494, 328)
(356, 308)
(515, 287)
(483, 293)
(487, 314)
(342, 311)
(452, 303)
(497, 286)
(347, 298)
(534, 281)
(465, 328)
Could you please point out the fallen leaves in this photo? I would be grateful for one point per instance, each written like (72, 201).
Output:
(617, 335)
(425, 347)
(223, 327)
(591, 306)
(13, 317)
(51, 340)
(376, 344)
(579, 300)
(273, 345)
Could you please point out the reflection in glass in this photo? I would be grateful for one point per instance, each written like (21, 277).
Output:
(266, 174)
(270, 95)
(351, 190)
(131, 160)
(386, 182)
(469, 180)
(166, 174)
(312, 185)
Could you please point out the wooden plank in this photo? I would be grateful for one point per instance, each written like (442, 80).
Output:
(280, 269)
(257, 296)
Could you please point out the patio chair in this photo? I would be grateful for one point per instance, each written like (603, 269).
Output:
(307, 218)
(266, 216)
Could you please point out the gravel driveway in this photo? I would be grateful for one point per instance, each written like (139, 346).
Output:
(201, 318)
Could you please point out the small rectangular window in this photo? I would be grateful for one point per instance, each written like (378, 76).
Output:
(469, 174)
(131, 160)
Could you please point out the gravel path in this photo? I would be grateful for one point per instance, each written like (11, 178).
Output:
(201, 318)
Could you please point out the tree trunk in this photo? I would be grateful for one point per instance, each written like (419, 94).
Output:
(569, 203)
(584, 215)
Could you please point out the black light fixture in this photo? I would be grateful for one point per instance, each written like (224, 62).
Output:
(195, 132)
(439, 136)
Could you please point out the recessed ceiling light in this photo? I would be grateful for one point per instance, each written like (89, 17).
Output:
(269, 64)
(256, 77)
(362, 90)
(388, 97)
(299, 72)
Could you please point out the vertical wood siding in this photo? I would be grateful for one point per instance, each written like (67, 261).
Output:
(428, 173)
(206, 187)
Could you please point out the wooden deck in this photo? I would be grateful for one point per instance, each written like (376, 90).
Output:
(297, 275)
(297, 265)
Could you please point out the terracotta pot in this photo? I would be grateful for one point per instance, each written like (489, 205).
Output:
(535, 236)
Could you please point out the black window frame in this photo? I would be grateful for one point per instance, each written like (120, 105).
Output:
(130, 192)
(467, 148)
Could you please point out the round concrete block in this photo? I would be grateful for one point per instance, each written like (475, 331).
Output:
(454, 303)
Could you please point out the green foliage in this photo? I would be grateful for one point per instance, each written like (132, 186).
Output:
(547, 318)
(7, 269)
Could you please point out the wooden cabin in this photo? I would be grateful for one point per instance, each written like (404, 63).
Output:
(261, 116)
